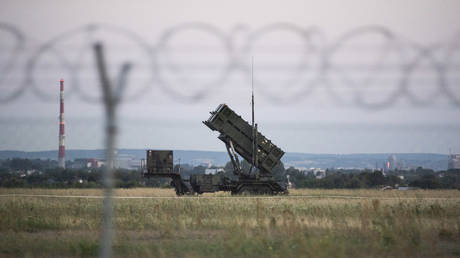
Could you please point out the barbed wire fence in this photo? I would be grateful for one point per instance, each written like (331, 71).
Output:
(376, 66)
(329, 65)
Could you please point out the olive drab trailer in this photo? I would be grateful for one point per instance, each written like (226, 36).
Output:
(160, 164)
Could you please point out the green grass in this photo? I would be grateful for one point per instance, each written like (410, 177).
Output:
(320, 224)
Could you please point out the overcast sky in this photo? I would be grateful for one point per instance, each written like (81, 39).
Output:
(329, 76)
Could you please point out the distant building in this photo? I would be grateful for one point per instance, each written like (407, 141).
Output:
(121, 161)
(213, 171)
(86, 163)
(201, 162)
(454, 161)
(391, 164)
(127, 162)
(78, 163)
(94, 163)
(301, 169)
(318, 173)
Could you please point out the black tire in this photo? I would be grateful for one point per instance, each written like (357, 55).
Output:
(245, 190)
(265, 190)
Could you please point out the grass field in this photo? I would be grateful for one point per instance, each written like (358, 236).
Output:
(317, 223)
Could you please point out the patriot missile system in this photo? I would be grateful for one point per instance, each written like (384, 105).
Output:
(240, 138)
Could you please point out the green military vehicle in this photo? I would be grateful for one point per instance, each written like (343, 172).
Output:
(160, 164)
(240, 138)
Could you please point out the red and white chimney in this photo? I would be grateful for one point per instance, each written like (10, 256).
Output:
(61, 156)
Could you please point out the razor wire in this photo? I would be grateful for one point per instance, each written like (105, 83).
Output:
(396, 69)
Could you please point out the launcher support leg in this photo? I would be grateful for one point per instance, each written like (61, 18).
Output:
(179, 185)
(234, 158)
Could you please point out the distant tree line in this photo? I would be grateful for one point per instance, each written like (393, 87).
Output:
(44, 173)
(355, 178)
(339, 179)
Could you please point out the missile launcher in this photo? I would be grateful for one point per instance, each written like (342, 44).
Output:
(240, 138)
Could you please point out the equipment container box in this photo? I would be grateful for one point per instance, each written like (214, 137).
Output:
(160, 163)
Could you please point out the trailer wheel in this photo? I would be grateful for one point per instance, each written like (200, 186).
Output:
(245, 190)
(179, 193)
(265, 190)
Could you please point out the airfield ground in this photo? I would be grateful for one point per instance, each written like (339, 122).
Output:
(153, 222)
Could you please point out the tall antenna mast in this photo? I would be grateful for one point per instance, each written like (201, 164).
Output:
(252, 86)
(254, 126)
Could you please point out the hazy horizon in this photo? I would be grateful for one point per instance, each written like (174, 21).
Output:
(330, 76)
(224, 151)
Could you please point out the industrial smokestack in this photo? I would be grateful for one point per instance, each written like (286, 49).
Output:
(61, 156)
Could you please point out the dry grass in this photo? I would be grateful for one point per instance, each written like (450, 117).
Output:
(326, 193)
(318, 223)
